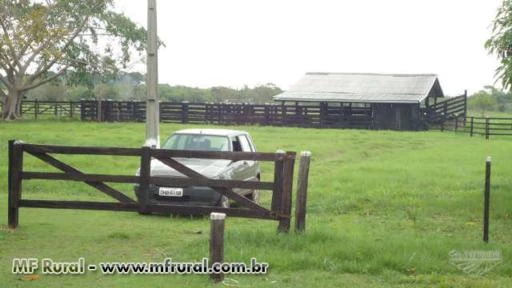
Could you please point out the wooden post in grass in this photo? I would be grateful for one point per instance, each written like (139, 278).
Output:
(487, 198)
(14, 182)
(486, 127)
(278, 181)
(217, 244)
(471, 126)
(145, 170)
(36, 108)
(302, 190)
(286, 194)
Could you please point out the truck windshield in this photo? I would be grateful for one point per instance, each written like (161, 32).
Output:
(197, 142)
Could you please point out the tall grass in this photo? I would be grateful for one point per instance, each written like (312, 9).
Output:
(384, 210)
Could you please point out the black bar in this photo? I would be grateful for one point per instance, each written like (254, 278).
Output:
(161, 208)
(471, 127)
(145, 174)
(487, 198)
(86, 205)
(82, 150)
(159, 180)
(278, 181)
(15, 182)
(12, 210)
(486, 128)
(234, 156)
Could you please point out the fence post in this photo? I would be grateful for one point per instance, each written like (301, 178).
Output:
(278, 181)
(184, 112)
(71, 107)
(14, 182)
(486, 127)
(217, 243)
(36, 108)
(56, 109)
(144, 181)
(471, 127)
(465, 105)
(302, 190)
(99, 110)
(286, 196)
(487, 197)
(82, 110)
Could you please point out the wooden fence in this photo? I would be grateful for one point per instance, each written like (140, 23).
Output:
(50, 109)
(441, 112)
(281, 186)
(300, 115)
(485, 126)
(318, 115)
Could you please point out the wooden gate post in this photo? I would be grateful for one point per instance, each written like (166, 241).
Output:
(217, 243)
(145, 170)
(14, 181)
(286, 194)
(302, 190)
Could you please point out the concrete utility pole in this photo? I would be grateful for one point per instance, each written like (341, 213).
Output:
(152, 109)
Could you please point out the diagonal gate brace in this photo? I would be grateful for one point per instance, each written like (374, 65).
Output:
(72, 171)
(224, 191)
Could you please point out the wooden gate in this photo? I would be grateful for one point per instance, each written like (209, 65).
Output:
(281, 186)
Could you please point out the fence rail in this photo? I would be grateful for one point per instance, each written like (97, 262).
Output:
(303, 115)
(485, 126)
(318, 115)
(57, 109)
(441, 112)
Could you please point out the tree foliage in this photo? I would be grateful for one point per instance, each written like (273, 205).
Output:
(500, 43)
(130, 86)
(490, 99)
(40, 41)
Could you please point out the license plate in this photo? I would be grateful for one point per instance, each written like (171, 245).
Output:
(170, 192)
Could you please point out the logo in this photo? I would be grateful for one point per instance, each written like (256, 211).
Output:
(476, 262)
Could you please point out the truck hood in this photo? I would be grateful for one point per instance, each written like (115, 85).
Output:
(210, 168)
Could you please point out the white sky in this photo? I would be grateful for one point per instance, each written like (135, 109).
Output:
(237, 42)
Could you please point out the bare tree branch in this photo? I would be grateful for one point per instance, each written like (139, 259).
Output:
(9, 42)
(46, 80)
(45, 68)
(5, 82)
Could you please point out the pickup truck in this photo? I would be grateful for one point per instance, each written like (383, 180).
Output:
(205, 140)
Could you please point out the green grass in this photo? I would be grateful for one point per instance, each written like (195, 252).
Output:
(384, 210)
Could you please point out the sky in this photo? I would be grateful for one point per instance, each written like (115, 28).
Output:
(247, 42)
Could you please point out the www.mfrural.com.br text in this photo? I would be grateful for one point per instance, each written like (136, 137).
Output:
(48, 266)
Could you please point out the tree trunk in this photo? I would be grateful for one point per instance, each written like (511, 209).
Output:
(12, 105)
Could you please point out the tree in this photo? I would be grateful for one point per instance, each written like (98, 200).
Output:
(41, 41)
(482, 101)
(500, 43)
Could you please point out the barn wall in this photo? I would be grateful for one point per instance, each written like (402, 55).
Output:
(396, 116)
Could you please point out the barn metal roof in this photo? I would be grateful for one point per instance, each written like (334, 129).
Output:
(363, 87)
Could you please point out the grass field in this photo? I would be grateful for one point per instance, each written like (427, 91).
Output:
(385, 209)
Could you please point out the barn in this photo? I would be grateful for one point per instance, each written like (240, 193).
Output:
(368, 100)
